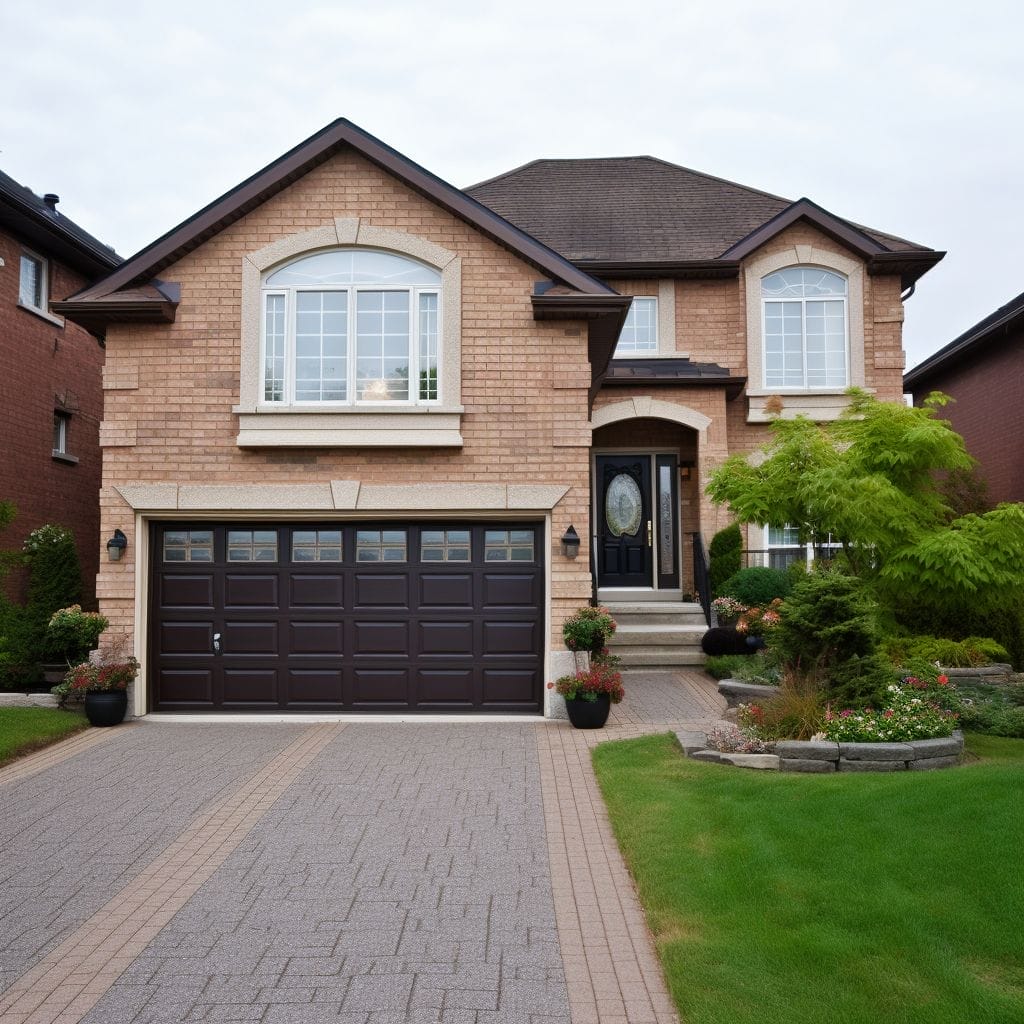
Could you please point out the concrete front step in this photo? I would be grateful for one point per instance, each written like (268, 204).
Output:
(632, 634)
(676, 612)
(660, 656)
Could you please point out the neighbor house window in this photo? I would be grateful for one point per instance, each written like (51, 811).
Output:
(61, 422)
(33, 286)
(783, 548)
(805, 329)
(640, 331)
(351, 327)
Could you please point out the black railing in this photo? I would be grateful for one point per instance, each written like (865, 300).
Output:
(701, 581)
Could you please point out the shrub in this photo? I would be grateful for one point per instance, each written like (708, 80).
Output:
(796, 712)
(719, 641)
(758, 586)
(1003, 621)
(967, 653)
(759, 621)
(725, 555)
(55, 582)
(71, 633)
(588, 630)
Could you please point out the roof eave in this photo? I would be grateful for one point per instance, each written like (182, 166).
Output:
(95, 315)
(910, 264)
(694, 269)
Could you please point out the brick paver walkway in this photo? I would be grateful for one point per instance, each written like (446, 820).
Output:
(362, 873)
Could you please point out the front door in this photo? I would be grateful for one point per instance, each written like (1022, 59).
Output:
(625, 533)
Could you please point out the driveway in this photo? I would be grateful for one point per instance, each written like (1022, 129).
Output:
(355, 872)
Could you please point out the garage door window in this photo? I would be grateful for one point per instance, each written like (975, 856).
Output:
(252, 545)
(380, 545)
(445, 546)
(508, 546)
(316, 546)
(188, 546)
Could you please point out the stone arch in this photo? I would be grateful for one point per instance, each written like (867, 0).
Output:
(651, 408)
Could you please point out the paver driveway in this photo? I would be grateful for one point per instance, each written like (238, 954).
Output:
(355, 872)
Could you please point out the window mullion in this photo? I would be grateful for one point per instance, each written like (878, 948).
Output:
(803, 340)
(414, 346)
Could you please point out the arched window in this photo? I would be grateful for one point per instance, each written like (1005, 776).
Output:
(805, 329)
(351, 327)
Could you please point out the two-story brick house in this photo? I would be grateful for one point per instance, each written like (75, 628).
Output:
(51, 398)
(353, 412)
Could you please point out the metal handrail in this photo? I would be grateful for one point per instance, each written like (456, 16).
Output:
(701, 579)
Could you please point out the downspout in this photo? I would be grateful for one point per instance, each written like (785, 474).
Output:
(909, 292)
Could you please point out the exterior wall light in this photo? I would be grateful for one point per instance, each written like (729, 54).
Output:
(570, 543)
(116, 546)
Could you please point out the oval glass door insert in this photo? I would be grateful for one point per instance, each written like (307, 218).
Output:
(623, 506)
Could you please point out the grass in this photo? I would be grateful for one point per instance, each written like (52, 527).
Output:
(806, 898)
(23, 730)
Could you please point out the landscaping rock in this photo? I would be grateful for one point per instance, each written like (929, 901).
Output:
(28, 700)
(925, 764)
(764, 762)
(707, 755)
(691, 741)
(876, 751)
(804, 764)
(946, 746)
(811, 750)
(736, 692)
(846, 765)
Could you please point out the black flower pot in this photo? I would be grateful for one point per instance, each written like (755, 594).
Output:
(107, 707)
(756, 643)
(589, 714)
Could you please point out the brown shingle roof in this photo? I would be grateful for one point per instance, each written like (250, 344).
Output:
(634, 209)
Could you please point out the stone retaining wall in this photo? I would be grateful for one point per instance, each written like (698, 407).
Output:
(27, 700)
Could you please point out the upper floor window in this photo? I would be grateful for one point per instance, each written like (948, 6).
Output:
(61, 422)
(805, 329)
(32, 284)
(640, 331)
(351, 326)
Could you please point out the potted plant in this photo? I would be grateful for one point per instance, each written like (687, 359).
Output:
(728, 610)
(71, 634)
(103, 684)
(588, 630)
(590, 693)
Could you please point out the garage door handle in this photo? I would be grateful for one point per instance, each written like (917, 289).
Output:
(216, 643)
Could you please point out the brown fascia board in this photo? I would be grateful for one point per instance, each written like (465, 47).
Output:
(995, 326)
(696, 269)
(910, 264)
(95, 314)
(296, 162)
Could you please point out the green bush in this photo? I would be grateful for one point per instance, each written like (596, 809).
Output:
(758, 586)
(54, 582)
(1003, 621)
(967, 653)
(724, 557)
(725, 666)
(71, 634)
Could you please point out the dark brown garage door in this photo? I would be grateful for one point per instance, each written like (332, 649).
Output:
(429, 617)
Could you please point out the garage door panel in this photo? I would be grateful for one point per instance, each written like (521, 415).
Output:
(445, 686)
(380, 590)
(186, 639)
(315, 638)
(457, 624)
(380, 686)
(323, 591)
(509, 686)
(510, 590)
(314, 686)
(186, 686)
(446, 639)
(382, 638)
(453, 591)
(244, 591)
(250, 686)
(193, 591)
(250, 638)
(505, 638)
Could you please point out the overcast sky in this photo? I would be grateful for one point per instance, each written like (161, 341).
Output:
(904, 116)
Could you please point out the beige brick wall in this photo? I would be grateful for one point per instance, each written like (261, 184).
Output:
(524, 383)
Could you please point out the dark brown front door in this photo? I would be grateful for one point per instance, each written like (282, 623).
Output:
(347, 617)
(624, 517)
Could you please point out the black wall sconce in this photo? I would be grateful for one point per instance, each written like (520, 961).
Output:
(685, 470)
(570, 543)
(116, 546)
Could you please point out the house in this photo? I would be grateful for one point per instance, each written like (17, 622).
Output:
(364, 430)
(983, 370)
(51, 381)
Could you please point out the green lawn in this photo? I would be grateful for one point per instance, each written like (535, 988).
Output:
(809, 898)
(26, 729)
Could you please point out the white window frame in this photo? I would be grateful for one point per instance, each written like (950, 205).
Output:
(351, 399)
(645, 353)
(44, 283)
(64, 421)
(808, 550)
(803, 300)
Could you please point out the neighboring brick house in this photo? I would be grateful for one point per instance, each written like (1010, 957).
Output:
(983, 370)
(352, 413)
(50, 375)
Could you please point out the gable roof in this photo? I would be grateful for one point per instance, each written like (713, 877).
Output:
(995, 326)
(641, 215)
(147, 264)
(43, 226)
